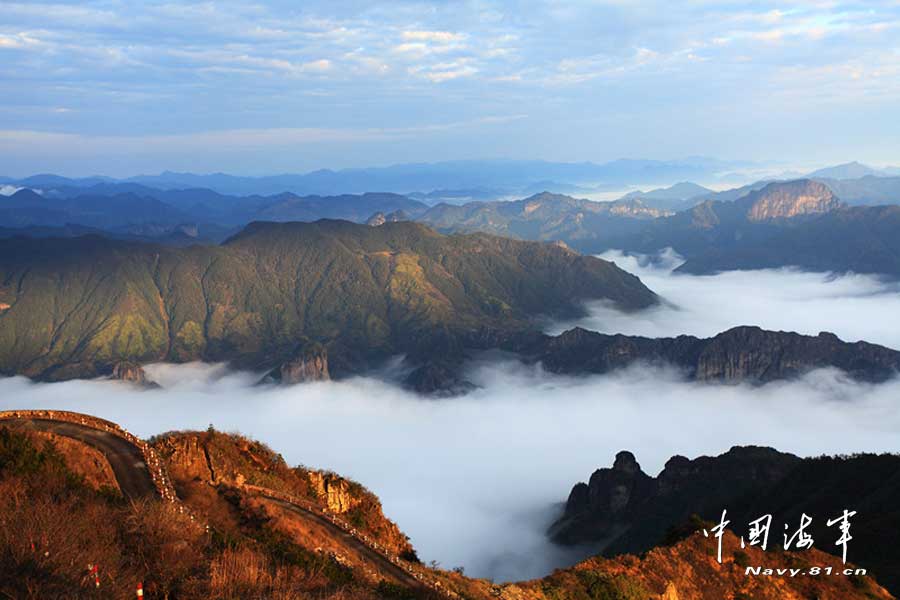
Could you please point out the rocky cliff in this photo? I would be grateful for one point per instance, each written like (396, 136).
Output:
(309, 363)
(739, 354)
(630, 510)
(130, 372)
(785, 200)
(625, 510)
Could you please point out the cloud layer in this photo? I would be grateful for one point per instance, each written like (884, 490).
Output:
(677, 79)
(855, 307)
(475, 480)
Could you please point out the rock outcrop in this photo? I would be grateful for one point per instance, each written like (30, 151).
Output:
(333, 491)
(132, 373)
(741, 354)
(309, 363)
(788, 199)
(630, 511)
(379, 218)
(624, 510)
(636, 209)
(376, 220)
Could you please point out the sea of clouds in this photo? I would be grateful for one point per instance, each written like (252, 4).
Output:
(855, 307)
(476, 480)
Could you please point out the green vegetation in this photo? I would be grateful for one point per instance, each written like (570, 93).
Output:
(78, 306)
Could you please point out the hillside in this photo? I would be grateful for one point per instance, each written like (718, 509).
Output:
(680, 196)
(543, 216)
(230, 532)
(634, 512)
(76, 307)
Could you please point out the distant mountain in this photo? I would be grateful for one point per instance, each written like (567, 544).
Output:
(785, 200)
(178, 235)
(276, 292)
(765, 225)
(289, 207)
(631, 511)
(866, 191)
(798, 223)
(26, 208)
(117, 207)
(680, 196)
(544, 216)
(510, 176)
(857, 239)
(461, 196)
(851, 170)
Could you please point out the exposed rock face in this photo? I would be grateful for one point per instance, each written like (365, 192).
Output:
(626, 511)
(636, 209)
(380, 218)
(739, 354)
(187, 458)
(130, 372)
(376, 220)
(784, 200)
(334, 491)
(438, 378)
(310, 363)
(631, 511)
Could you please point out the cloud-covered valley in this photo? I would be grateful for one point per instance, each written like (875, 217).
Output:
(475, 480)
(854, 307)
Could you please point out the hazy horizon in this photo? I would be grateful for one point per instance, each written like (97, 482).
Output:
(753, 170)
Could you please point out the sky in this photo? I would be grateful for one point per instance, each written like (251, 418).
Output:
(120, 87)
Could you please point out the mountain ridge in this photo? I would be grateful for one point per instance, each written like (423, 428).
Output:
(77, 306)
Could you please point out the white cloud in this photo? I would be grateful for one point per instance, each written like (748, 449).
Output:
(854, 307)
(8, 190)
(475, 480)
(443, 37)
(19, 41)
(447, 71)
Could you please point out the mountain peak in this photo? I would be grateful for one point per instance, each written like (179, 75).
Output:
(787, 199)
(850, 170)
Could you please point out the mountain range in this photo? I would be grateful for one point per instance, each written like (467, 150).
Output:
(706, 227)
(511, 176)
(309, 301)
(774, 224)
(76, 307)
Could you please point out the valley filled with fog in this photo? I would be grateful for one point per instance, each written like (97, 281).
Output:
(475, 480)
(854, 307)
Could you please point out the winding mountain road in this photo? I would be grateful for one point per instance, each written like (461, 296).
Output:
(125, 458)
(383, 563)
(135, 481)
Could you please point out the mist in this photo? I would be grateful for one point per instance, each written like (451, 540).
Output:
(475, 480)
(854, 307)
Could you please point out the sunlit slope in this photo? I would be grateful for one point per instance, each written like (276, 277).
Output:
(77, 306)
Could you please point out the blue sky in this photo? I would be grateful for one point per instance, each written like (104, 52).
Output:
(121, 87)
